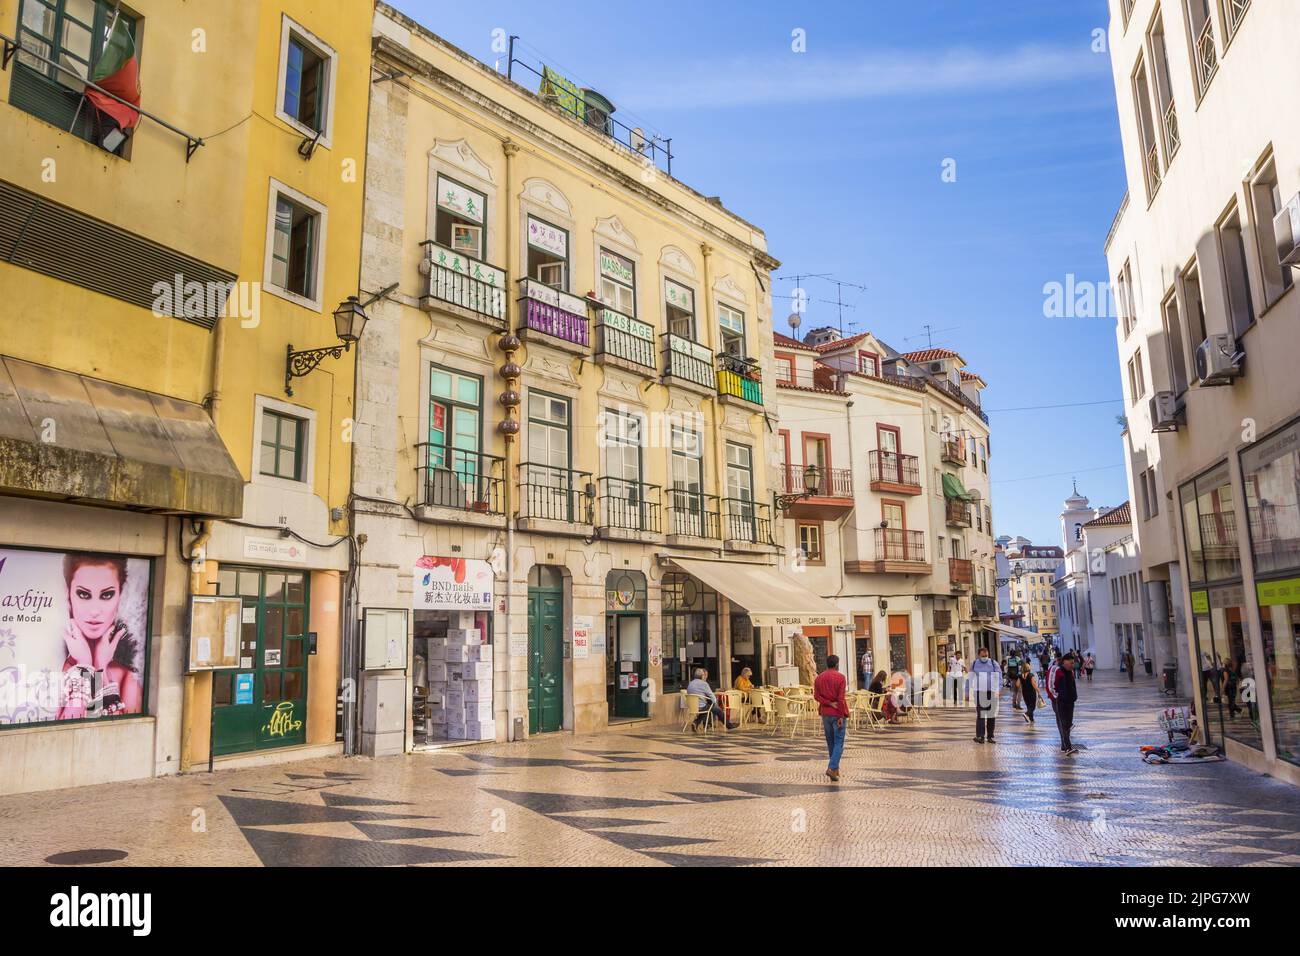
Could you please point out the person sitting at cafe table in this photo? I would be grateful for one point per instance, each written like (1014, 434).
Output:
(708, 701)
(743, 682)
(888, 706)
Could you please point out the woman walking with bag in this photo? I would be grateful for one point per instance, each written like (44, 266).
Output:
(1028, 691)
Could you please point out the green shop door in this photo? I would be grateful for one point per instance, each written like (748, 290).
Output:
(545, 659)
(264, 703)
(625, 663)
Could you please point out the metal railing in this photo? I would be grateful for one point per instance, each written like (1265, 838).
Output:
(687, 360)
(739, 377)
(12, 46)
(692, 513)
(455, 478)
(1172, 138)
(554, 313)
(1219, 530)
(983, 606)
(953, 451)
(1207, 56)
(1153, 169)
(624, 337)
(1233, 11)
(460, 280)
(957, 513)
(892, 467)
(961, 572)
(556, 494)
(831, 482)
(629, 505)
(899, 544)
(746, 520)
(653, 148)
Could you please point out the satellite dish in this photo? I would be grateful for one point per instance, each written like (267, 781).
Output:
(637, 140)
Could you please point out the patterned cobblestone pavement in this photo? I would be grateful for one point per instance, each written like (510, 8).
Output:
(915, 794)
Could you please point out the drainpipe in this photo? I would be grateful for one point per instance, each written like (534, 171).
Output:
(512, 274)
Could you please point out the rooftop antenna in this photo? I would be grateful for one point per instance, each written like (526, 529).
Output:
(929, 334)
(839, 296)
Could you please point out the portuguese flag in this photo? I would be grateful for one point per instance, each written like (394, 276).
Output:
(117, 71)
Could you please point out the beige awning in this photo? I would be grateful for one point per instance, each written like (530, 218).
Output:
(773, 599)
(76, 438)
(1029, 637)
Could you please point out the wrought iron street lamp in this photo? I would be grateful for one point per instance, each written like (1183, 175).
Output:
(349, 322)
(811, 481)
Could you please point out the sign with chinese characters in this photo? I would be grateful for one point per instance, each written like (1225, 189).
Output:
(582, 628)
(678, 296)
(461, 264)
(548, 238)
(554, 297)
(463, 202)
(687, 347)
(451, 584)
(615, 267)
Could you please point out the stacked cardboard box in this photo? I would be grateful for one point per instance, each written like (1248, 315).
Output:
(467, 700)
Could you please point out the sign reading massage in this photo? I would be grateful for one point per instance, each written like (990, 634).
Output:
(74, 629)
(451, 584)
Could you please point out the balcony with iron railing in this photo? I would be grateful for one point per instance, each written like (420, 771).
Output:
(961, 573)
(832, 491)
(957, 513)
(1233, 11)
(894, 473)
(746, 523)
(550, 496)
(896, 551)
(953, 451)
(553, 317)
(452, 480)
(1207, 55)
(691, 514)
(473, 289)
(624, 341)
(688, 363)
(628, 506)
(739, 379)
(1172, 137)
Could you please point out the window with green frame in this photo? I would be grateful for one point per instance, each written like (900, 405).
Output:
(455, 417)
(283, 440)
(72, 34)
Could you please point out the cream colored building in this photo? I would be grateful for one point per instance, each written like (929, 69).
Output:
(906, 552)
(1207, 341)
(564, 396)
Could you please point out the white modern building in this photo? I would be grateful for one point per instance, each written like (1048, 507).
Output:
(1201, 254)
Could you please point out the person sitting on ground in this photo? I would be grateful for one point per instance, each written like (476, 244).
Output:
(708, 700)
(743, 682)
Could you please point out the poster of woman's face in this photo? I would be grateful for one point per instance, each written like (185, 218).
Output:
(73, 633)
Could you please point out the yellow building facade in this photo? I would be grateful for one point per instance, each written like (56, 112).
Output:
(561, 407)
(155, 278)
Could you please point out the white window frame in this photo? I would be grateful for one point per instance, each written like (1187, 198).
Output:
(288, 28)
(308, 417)
(278, 189)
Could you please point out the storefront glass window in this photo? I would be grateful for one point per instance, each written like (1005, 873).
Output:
(690, 630)
(1270, 472)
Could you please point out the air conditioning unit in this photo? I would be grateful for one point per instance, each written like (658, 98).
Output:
(1164, 412)
(1286, 229)
(1218, 361)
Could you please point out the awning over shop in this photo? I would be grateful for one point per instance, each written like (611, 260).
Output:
(75, 438)
(772, 599)
(1016, 633)
(953, 488)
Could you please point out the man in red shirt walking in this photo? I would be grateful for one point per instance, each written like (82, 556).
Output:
(828, 689)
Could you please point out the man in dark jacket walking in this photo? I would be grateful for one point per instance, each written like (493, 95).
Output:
(1065, 693)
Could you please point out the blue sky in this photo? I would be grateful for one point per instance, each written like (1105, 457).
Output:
(837, 154)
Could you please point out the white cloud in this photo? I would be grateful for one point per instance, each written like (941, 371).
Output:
(802, 78)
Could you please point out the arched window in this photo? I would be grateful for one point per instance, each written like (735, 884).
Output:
(545, 576)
